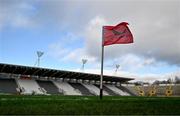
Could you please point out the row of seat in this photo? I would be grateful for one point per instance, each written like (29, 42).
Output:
(32, 86)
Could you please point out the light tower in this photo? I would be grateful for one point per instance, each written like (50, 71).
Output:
(84, 61)
(39, 54)
(117, 67)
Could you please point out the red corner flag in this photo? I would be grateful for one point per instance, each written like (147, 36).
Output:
(119, 34)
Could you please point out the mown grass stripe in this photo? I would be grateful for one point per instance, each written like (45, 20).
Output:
(88, 105)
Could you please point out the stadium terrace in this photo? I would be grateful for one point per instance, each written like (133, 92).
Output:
(25, 80)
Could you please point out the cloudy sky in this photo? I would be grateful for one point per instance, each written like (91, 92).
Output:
(68, 31)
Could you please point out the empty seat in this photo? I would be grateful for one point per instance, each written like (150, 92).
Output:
(29, 86)
(8, 86)
(81, 88)
(110, 92)
(176, 90)
(104, 91)
(94, 89)
(48, 86)
(66, 88)
(123, 88)
(117, 90)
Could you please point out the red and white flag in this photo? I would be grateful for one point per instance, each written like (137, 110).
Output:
(119, 34)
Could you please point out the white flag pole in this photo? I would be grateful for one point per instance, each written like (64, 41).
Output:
(102, 61)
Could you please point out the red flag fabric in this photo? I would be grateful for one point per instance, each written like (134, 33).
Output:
(119, 34)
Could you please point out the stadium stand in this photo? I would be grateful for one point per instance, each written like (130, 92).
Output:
(132, 89)
(8, 86)
(67, 88)
(124, 89)
(111, 92)
(145, 88)
(104, 91)
(176, 90)
(152, 90)
(117, 90)
(92, 88)
(53, 73)
(15, 79)
(29, 86)
(48, 86)
(81, 88)
(54, 88)
(161, 89)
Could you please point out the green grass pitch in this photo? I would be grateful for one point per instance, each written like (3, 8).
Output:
(88, 105)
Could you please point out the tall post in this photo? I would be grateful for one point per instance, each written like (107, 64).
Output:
(117, 67)
(102, 61)
(84, 62)
(38, 61)
(39, 54)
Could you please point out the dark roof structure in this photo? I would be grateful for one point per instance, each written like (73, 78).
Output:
(54, 73)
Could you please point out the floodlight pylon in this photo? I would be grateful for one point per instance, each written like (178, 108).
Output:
(117, 67)
(39, 54)
(84, 61)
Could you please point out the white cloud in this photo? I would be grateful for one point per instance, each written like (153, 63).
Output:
(77, 55)
(155, 25)
(73, 53)
(153, 42)
(93, 35)
(151, 23)
(17, 13)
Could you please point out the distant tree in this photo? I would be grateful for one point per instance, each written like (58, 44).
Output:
(139, 83)
(156, 82)
(177, 80)
(164, 82)
(146, 83)
(169, 80)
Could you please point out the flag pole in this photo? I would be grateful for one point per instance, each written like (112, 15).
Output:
(102, 61)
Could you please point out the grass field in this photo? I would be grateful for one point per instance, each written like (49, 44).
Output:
(89, 105)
